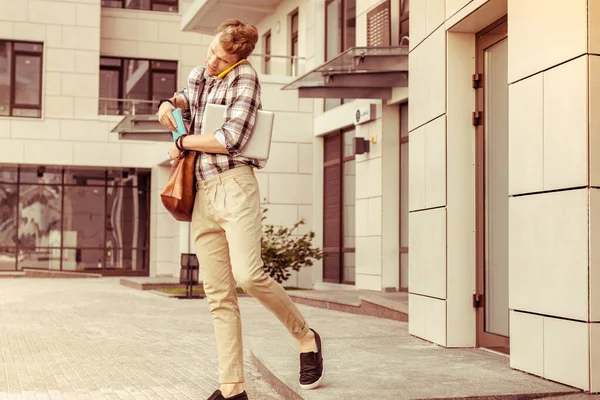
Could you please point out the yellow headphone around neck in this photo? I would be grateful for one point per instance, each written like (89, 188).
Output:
(228, 70)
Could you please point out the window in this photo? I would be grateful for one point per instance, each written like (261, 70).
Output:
(340, 33)
(294, 43)
(134, 85)
(403, 20)
(77, 219)
(21, 79)
(378, 25)
(267, 59)
(153, 5)
(339, 216)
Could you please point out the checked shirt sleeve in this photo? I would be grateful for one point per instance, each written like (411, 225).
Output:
(190, 91)
(240, 115)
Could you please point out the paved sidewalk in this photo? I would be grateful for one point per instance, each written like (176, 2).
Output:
(95, 339)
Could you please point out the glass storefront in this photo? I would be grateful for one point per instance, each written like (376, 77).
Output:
(75, 219)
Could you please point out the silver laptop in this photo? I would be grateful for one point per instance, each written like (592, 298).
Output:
(259, 144)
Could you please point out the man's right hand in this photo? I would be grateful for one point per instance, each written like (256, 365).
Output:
(165, 116)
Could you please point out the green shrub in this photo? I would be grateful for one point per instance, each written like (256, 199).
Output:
(283, 251)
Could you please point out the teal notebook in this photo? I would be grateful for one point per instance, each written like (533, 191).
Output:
(180, 126)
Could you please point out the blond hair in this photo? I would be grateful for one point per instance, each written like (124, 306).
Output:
(238, 37)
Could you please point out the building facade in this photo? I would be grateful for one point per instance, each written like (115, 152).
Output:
(76, 192)
(487, 175)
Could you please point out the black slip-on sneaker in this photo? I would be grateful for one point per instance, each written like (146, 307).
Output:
(311, 366)
(217, 395)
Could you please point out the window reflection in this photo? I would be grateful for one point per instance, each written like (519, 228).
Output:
(98, 217)
(9, 201)
(8, 259)
(39, 216)
(126, 211)
(83, 217)
(39, 258)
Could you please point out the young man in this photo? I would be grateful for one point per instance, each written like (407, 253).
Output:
(226, 221)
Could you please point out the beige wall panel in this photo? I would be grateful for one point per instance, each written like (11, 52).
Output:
(436, 14)
(305, 158)
(594, 119)
(48, 152)
(275, 99)
(369, 174)
(594, 243)
(81, 85)
(435, 163)
(427, 256)
(460, 191)
(368, 256)
(13, 11)
(548, 241)
(88, 15)
(527, 342)
(453, 6)
(390, 201)
(526, 136)
(281, 214)
(87, 108)
(418, 23)
(81, 38)
(28, 128)
(566, 125)
(537, 43)
(4, 128)
(283, 158)
(11, 151)
(594, 357)
(417, 170)
(28, 31)
(566, 352)
(435, 316)
(290, 189)
(115, 47)
(59, 60)
(417, 309)
(86, 62)
(368, 282)
(594, 26)
(54, 35)
(51, 12)
(292, 127)
(427, 80)
(100, 154)
(6, 28)
(52, 83)
(58, 107)
(87, 131)
(361, 30)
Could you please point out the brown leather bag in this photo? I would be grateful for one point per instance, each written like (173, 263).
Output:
(180, 193)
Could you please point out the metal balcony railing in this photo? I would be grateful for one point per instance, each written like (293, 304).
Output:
(110, 106)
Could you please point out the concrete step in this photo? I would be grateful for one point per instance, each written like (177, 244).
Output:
(39, 273)
(354, 302)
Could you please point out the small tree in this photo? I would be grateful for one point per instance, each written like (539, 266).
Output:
(282, 252)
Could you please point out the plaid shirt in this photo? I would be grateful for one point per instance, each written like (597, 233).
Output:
(240, 91)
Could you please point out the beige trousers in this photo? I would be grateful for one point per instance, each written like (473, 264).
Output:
(227, 231)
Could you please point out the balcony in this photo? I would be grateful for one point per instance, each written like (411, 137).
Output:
(139, 121)
(204, 16)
